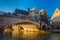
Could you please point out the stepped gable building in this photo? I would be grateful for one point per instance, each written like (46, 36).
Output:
(56, 17)
(56, 13)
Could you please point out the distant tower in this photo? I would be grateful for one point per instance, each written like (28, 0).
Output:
(28, 10)
(33, 14)
(33, 11)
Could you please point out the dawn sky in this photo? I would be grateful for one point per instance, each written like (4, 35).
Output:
(10, 5)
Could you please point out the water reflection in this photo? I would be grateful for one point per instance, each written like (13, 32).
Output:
(55, 36)
(28, 35)
(0, 36)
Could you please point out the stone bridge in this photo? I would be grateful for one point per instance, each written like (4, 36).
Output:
(11, 20)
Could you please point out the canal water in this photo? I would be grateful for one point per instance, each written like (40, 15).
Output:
(30, 36)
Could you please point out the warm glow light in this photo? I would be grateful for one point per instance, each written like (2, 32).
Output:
(7, 30)
(30, 30)
(56, 13)
(26, 27)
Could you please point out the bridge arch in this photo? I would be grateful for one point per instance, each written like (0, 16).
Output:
(24, 21)
(27, 26)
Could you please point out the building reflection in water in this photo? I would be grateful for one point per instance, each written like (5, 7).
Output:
(29, 36)
(26, 35)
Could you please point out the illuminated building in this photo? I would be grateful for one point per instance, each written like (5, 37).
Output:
(56, 13)
(56, 17)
